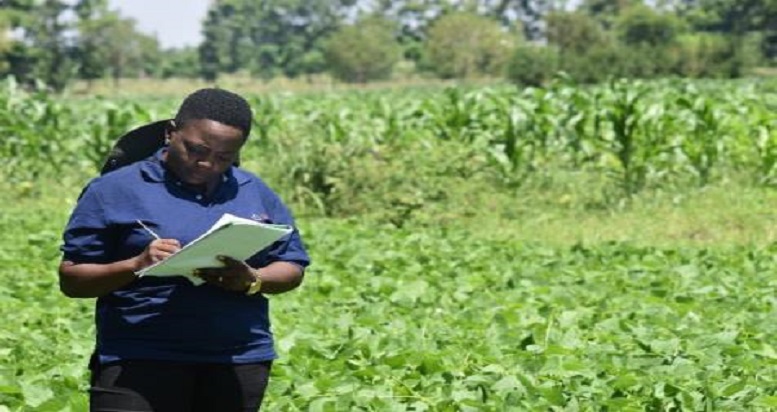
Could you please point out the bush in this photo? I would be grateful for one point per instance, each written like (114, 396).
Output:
(362, 52)
(607, 61)
(716, 56)
(642, 25)
(533, 65)
(595, 65)
(463, 45)
(574, 32)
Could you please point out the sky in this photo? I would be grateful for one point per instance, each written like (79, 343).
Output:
(176, 23)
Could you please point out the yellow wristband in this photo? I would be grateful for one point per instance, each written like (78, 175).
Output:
(254, 287)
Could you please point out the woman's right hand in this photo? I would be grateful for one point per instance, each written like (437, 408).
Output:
(157, 250)
(92, 280)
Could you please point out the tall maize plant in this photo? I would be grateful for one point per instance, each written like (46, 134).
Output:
(638, 133)
(31, 127)
(621, 121)
(706, 137)
(576, 116)
(764, 139)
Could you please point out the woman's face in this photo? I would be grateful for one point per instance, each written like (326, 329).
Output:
(202, 150)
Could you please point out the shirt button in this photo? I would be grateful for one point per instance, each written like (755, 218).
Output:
(199, 197)
(177, 183)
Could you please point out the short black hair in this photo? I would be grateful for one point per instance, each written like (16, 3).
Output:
(220, 105)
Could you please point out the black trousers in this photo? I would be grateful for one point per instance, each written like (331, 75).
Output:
(158, 386)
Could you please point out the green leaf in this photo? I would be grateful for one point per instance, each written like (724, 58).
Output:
(734, 388)
(765, 401)
(36, 393)
(507, 384)
(554, 395)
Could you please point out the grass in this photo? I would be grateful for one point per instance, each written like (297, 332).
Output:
(723, 215)
(714, 217)
(598, 322)
(765, 71)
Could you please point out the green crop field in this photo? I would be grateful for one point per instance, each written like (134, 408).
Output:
(607, 248)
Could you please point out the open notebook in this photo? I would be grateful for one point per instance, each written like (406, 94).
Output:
(230, 236)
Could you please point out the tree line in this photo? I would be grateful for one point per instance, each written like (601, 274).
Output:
(55, 42)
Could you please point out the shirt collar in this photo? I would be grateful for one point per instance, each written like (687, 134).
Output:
(153, 170)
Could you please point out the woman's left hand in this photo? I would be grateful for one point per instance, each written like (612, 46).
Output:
(235, 275)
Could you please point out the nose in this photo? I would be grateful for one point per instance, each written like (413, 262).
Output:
(207, 159)
(205, 164)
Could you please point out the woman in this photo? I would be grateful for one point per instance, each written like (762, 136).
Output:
(162, 343)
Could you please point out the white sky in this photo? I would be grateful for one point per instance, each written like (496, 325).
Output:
(175, 23)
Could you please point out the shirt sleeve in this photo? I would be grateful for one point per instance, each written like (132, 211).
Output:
(86, 238)
(290, 248)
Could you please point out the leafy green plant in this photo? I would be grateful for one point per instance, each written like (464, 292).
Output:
(364, 51)
(764, 134)
(417, 300)
(625, 136)
(705, 143)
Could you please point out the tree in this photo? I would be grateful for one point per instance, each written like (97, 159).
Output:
(641, 25)
(736, 18)
(111, 45)
(731, 16)
(128, 49)
(533, 65)
(364, 51)
(44, 53)
(412, 18)
(464, 44)
(184, 63)
(606, 11)
(93, 20)
(6, 42)
(530, 13)
(269, 37)
(55, 48)
(707, 55)
(574, 32)
(415, 17)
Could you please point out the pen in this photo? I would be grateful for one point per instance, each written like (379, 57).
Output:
(148, 229)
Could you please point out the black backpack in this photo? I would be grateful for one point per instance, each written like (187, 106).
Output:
(138, 144)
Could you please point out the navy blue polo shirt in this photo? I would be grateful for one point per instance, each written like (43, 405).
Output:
(168, 318)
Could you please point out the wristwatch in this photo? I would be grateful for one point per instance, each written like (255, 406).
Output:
(253, 287)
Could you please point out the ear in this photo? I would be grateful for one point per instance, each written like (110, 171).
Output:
(169, 129)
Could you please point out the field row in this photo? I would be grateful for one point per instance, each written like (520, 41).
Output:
(636, 133)
(399, 319)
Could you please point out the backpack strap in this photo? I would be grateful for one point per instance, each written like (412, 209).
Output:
(136, 145)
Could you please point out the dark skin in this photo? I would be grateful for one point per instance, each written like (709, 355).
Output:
(199, 153)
